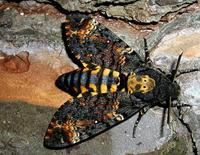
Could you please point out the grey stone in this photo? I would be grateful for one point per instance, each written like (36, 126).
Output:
(167, 2)
(17, 142)
(25, 122)
(2, 145)
(142, 11)
(24, 32)
(116, 1)
(24, 133)
(167, 52)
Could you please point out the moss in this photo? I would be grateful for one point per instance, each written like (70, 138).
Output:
(176, 146)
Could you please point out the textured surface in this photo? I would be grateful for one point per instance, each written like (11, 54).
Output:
(140, 11)
(21, 131)
(186, 41)
(15, 64)
(39, 33)
(144, 11)
(37, 85)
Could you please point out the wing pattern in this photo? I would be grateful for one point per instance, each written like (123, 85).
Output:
(83, 118)
(99, 52)
(92, 42)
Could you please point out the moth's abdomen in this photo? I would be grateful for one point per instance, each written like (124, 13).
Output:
(97, 80)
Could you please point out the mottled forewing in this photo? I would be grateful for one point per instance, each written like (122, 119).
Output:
(91, 42)
(83, 118)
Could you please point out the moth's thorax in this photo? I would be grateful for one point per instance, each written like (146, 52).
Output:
(139, 83)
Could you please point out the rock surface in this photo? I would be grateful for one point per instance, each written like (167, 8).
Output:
(142, 11)
(15, 64)
(36, 28)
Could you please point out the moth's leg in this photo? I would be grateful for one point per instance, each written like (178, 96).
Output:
(169, 101)
(141, 113)
(187, 71)
(178, 104)
(175, 73)
(147, 59)
(173, 76)
(162, 71)
(163, 121)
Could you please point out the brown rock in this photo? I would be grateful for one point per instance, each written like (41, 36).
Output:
(16, 64)
(35, 86)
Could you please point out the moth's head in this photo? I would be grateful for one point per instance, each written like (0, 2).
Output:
(160, 87)
(140, 83)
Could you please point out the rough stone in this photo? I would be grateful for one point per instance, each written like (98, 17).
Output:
(40, 35)
(167, 51)
(24, 132)
(142, 11)
(37, 85)
(21, 30)
(18, 143)
(15, 64)
(116, 1)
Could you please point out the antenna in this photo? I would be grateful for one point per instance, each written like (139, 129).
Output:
(173, 76)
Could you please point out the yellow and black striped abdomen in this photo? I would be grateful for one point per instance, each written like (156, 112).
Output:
(94, 80)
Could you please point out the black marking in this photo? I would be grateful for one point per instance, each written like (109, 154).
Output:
(110, 76)
(98, 84)
(88, 78)
(123, 83)
(83, 79)
(75, 80)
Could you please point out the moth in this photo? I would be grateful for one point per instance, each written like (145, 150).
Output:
(112, 84)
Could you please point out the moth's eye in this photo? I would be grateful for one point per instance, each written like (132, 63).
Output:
(144, 87)
(145, 80)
